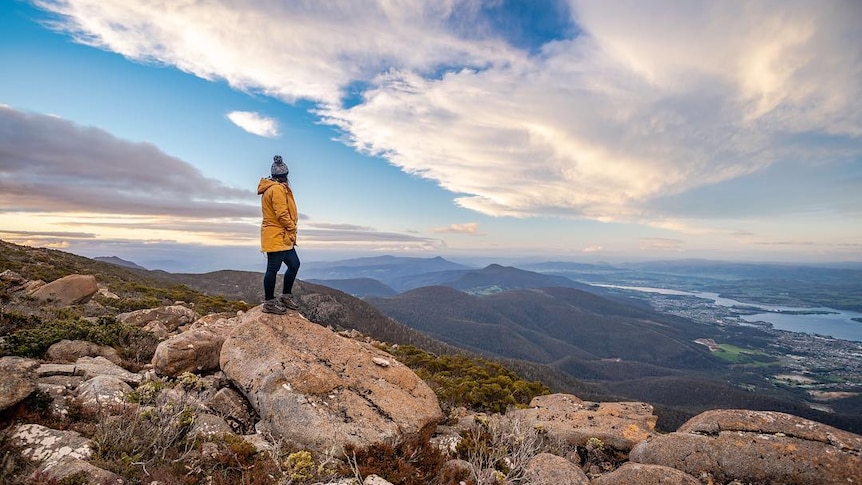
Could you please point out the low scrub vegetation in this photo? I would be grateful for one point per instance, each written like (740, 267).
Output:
(139, 296)
(472, 382)
(29, 335)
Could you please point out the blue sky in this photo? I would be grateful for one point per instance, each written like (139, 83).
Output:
(580, 130)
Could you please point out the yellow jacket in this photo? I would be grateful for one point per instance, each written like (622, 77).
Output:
(278, 229)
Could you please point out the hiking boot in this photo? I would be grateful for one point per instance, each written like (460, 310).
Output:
(274, 306)
(287, 301)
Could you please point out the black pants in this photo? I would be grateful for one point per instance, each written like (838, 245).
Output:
(273, 264)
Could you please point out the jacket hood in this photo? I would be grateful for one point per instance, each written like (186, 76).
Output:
(265, 184)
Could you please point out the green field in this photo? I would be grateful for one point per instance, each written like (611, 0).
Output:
(739, 355)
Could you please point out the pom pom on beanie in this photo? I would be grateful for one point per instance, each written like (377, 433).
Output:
(278, 167)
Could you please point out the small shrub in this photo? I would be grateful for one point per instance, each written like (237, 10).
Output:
(300, 466)
(191, 382)
(142, 437)
(597, 459)
(147, 392)
(502, 443)
(411, 461)
(229, 459)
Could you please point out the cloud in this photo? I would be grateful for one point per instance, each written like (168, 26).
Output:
(76, 235)
(291, 50)
(323, 234)
(341, 227)
(632, 103)
(368, 238)
(48, 164)
(471, 228)
(602, 124)
(254, 123)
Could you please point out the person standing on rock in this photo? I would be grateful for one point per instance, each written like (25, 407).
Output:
(278, 236)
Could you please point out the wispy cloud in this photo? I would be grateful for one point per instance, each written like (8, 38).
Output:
(254, 123)
(340, 227)
(323, 234)
(470, 228)
(77, 235)
(633, 106)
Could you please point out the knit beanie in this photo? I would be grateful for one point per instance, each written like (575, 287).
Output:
(278, 167)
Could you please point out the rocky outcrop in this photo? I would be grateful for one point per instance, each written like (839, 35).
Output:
(757, 447)
(161, 321)
(68, 290)
(302, 384)
(619, 425)
(319, 390)
(17, 376)
(17, 284)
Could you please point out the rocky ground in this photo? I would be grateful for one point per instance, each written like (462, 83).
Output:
(248, 397)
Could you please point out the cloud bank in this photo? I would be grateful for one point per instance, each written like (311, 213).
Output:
(627, 106)
(48, 164)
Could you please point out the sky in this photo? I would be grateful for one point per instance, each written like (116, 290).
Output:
(502, 129)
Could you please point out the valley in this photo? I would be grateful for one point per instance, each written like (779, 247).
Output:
(696, 328)
(820, 366)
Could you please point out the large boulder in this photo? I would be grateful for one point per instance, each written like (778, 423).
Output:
(162, 320)
(68, 290)
(103, 393)
(90, 367)
(68, 466)
(548, 469)
(619, 425)
(646, 475)
(71, 350)
(17, 380)
(757, 447)
(48, 446)
(195, 350)
(209, 425)
(319, 390)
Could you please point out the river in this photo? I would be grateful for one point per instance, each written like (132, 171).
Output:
(826, 321)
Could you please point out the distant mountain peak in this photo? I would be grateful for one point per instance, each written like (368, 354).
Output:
(119, 262)
(494, 266)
